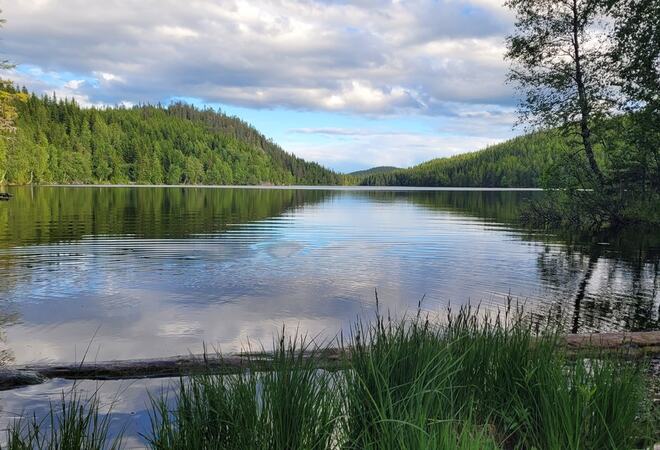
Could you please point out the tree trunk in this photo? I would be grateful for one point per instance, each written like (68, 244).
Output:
(583, 101)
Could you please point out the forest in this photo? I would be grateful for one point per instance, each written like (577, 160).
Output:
(373, 170)
(58, 141)
(517, 163)
(540, 159)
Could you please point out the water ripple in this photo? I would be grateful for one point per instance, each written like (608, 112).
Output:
(152, 272)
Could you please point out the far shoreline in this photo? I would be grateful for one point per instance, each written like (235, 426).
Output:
(292, 186)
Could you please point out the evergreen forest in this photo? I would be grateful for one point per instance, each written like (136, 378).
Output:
(58, 141)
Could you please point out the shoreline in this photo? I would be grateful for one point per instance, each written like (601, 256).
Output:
(628, 344)
(290, 187)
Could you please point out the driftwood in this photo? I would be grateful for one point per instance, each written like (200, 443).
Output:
(643, 342)
(637, 344)
(18, 376)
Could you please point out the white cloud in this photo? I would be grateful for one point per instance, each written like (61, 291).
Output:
(110, 77)
(374, 57)
(176, 32)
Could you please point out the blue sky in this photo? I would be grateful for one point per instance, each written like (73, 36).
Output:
(348, 84)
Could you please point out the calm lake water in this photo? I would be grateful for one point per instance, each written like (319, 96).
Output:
(147, 272)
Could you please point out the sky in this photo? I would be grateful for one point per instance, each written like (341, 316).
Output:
(349, 84)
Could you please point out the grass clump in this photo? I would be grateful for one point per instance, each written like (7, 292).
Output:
(403, 391)
(76, 423)
(292, 406)
(487, 384)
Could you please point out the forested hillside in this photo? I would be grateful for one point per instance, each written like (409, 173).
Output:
(57, 141)
(372, 171)
(519, 162)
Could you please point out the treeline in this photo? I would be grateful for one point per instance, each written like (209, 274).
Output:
(57, 141)
(373, 170)
(519, 162)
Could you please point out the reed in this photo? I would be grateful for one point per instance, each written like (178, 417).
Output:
(75, 423)
(292, 406)
(468, 383)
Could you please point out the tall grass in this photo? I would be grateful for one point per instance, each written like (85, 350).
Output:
(471, 383)
(404, 390)
(468, 383)
(292, 406)
(74, 424)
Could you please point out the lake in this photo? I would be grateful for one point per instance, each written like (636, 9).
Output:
(134, 272)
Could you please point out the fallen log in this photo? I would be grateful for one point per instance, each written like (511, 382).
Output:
(175, 366)
(645, 342)
(637, 344)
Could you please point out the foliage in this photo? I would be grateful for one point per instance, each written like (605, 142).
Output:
(366, 172)
(636, 58)
(8, 113)
(8, 99)
(592, 67)
(637, 48)
(519, 162)
(559, 65)
(59, 142)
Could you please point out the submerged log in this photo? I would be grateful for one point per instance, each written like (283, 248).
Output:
(14, 378)
(637, 344)
(174, 366)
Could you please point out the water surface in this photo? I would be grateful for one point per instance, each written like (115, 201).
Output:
(133, 272)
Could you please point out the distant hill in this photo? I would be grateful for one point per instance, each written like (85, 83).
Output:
(519, 162)
(372, 171)
(60, 142)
